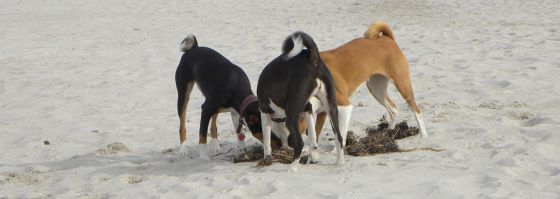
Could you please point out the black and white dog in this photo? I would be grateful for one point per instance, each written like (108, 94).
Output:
(296, 84)
(226, 89)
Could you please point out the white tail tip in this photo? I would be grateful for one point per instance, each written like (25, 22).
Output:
(298, 46)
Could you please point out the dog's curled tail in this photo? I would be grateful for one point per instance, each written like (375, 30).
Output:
(189, 43)
(376, 29)
(294, 44)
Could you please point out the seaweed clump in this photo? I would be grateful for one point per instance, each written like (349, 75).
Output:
(379, 139)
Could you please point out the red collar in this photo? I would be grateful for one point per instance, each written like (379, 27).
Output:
(248, 100)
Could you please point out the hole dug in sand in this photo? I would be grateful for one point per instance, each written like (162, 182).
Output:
(378, 139)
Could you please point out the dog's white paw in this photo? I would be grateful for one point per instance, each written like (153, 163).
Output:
(423, 133)
(204, 157)
(215, 146)
(183, 149)
(340, 157)
(294, 166)
(202, 152)
(340, 160)
(313, 157)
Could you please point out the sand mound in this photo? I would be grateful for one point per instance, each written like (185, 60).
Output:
(113, 149)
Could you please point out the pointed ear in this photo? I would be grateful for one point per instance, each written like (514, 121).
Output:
(252, 119)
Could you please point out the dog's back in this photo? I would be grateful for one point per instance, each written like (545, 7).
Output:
(288, 83)
(206, 66)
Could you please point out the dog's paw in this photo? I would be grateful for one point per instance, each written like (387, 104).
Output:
(183, 150)
(312, 157)
(215, 146)
(340, 161)
(340, 158)
(424, 134)
(202, 152)
(204, 157)
(294, 166)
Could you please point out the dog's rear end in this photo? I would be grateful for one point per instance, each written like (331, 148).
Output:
(285, 89)
(184, 81)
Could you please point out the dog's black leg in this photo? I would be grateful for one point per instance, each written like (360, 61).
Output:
(294, 139)
(296, 142)
(333, 117)
(208, 109)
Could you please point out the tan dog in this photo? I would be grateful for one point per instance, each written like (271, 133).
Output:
(375, 59)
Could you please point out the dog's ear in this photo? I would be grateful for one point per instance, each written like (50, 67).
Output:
(252, 119)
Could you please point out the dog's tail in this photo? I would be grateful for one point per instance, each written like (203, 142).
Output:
(294, 44)
(189, 43)
(377, 29)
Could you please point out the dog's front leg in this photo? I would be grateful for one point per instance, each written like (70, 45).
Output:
(266, 122)
(240, 143)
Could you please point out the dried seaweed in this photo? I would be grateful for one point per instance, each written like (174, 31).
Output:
(378, 139)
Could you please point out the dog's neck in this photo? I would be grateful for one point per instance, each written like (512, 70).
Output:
(237, 102)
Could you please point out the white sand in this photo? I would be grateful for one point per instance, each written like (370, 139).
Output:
(85, 74)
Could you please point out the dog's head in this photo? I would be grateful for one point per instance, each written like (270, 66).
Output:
(252, 117)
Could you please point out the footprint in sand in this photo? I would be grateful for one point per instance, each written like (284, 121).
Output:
(112, 149)
(29, 176)
(539, 120)
(135, 179)
(516, 115)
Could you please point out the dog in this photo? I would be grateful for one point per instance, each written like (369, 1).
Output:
(374, 59)
(296, 85)
(226, 89)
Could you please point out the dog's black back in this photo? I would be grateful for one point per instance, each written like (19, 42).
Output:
(288, 82)
(214, 74)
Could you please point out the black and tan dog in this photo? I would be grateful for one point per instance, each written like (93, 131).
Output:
(296, 85)
(226, 89)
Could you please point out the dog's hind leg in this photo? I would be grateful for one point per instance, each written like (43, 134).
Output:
(344, 114)
(296, 142)
(184, 92)
(214, 144)
(404, 86)
(377, 86)
(266, 123)
(208, 110)
(321, 117)
(311, 139)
